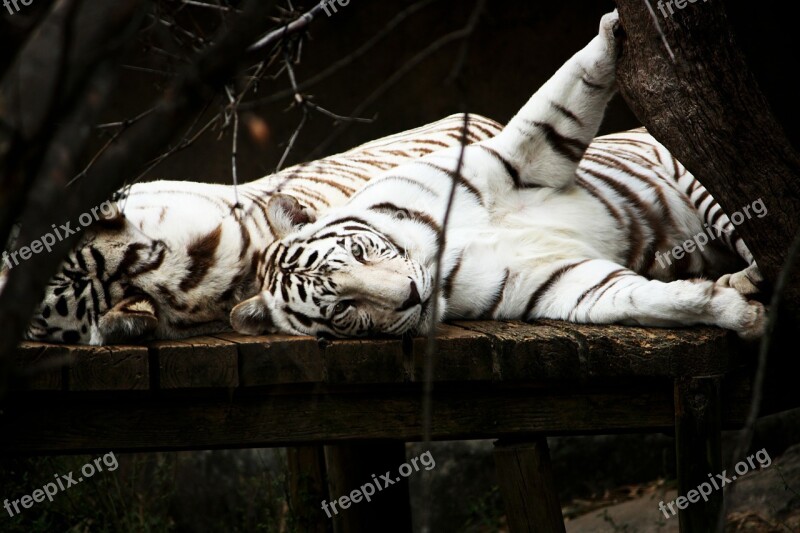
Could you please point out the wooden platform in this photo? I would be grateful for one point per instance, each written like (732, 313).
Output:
(511, 381)
(492, 379)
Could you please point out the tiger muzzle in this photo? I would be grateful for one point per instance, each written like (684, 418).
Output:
(412, 300)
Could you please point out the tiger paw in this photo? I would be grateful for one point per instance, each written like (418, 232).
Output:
(747, 282)
(612, 33)
(600, 65)
(733, 311)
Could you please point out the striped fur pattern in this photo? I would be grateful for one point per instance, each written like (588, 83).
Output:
(545, 223)
(179, 258)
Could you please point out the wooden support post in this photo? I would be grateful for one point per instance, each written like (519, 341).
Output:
(352, 466)
(308, 487)
(698, 449)
(525, 476)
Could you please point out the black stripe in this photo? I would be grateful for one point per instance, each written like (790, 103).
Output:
(447, 286)
(460, 180)
(593, 288)
(570, 148)
(591, 85)
(99, 261)
(547, 285)
(412, 214)
(488, 314)
(510, 169)
(567, 113)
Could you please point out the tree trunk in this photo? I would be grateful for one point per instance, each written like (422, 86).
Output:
(707, 109)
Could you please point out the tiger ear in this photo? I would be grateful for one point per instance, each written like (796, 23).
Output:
(110, 216)
(287, 215)
(129, 320)
(251, 317)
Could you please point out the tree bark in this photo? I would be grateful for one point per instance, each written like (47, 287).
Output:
(707, 109)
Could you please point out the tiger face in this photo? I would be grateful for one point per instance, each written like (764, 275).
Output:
(338, 277)
(89, 299)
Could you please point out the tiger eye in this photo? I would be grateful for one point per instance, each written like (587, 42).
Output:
(356, 251)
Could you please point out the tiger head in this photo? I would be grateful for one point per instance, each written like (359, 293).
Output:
(89, 299)
(337, 277)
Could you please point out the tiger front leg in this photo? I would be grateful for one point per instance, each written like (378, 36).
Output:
(546, 140)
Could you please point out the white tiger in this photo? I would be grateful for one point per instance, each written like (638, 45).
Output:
(539, 227)
(177, 256)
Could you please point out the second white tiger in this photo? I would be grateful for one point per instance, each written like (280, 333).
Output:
(541, 225)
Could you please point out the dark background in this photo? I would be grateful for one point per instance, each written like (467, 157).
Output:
(516, 46)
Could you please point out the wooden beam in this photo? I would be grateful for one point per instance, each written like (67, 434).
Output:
(72, 422)
(526, 481)
(351, 467)
(698, 445)
(308, 486)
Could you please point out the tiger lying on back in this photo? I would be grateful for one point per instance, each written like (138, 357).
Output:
(177, 256)
(542, 225)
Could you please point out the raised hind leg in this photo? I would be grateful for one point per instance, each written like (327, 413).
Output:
(546, 140)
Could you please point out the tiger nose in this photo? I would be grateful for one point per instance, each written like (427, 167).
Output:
(413, 298)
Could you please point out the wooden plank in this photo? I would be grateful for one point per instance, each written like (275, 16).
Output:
(356, 361)
(356, 465)
(276, 359)
(109, 368)
(553, 349)
(48, 367)
(40, 367)
(524, 352)
(526, 481)
(461, 355)
(308, 487)
(698, 445)
(200, 362)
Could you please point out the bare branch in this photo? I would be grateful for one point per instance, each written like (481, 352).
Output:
(336, 66)
(399, 74)
(293, 27)
(218, 7)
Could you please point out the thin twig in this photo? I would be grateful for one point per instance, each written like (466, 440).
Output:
(398, 75)
(293, 27)
(122, 125)
(336, 66)
(234, 146)
(292, 140)
(209, 6)
(746, 434)
(659, 30)
(149, 71)
(185, 143)
(127, 122)
(430, 341)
